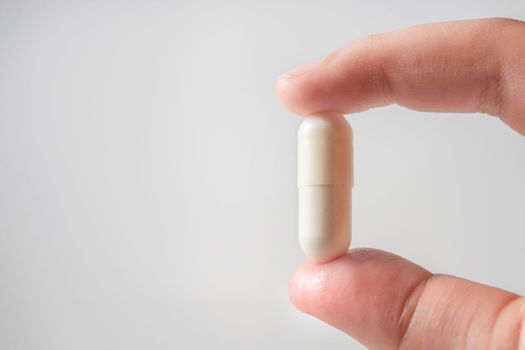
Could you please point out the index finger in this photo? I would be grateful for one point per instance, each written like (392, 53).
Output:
(462, 66)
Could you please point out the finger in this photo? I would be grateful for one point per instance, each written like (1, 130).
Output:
(387, 302)
(463, 66)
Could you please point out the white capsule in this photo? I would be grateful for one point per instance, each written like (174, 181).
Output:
(325, 180)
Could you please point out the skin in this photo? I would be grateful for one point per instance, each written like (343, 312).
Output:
(380, 299)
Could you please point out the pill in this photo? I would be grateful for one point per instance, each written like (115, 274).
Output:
(324, 181)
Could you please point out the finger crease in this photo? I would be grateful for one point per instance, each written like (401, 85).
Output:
(515, 331)
(409, 308)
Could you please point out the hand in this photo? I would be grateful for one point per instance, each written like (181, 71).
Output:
(383, 300)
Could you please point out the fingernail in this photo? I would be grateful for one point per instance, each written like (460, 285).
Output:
(297, 72)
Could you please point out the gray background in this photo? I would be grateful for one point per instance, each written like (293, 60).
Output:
(147, 172)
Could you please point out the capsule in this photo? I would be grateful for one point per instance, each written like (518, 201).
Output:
(325, 181)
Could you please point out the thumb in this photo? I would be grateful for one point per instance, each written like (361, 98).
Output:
(387, 302)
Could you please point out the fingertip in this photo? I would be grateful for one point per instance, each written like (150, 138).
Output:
(300, 70)
(292, 94)
(307, 287)
(325, 290)
(357, 293)
(308, 89)
(346, 81)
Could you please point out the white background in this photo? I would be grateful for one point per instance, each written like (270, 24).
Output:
(147, 172)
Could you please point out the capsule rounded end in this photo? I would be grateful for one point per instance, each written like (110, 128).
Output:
(323, 252)
(324, 151)
(324, 221)
(327, 128)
